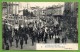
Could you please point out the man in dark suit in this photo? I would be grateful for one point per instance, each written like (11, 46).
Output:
(7, 46)
(21, 43)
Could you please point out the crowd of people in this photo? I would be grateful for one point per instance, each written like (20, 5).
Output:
(22, 34)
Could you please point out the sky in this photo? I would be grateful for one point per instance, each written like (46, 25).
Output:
(40, 4)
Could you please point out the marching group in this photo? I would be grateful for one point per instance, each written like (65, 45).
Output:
(22, 34)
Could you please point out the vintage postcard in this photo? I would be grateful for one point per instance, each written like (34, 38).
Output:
(39, 25)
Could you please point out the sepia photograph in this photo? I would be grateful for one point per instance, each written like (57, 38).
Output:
(38, 25)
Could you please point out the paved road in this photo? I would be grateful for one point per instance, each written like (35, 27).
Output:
(29, 46)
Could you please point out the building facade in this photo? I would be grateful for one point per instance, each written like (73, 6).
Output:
(71, 15)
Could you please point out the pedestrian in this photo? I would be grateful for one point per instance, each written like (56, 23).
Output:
(54, 32)
(5, 40)
(7, 46)
(17, 40)
(45, 38)
(63, 40)
(50, 35)
(26, 38)
(21, 42)
(58, 40)
(38, 37)
(57, 32)
(10, 41)
(42, 35)
(55, 40)
(33, 39)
